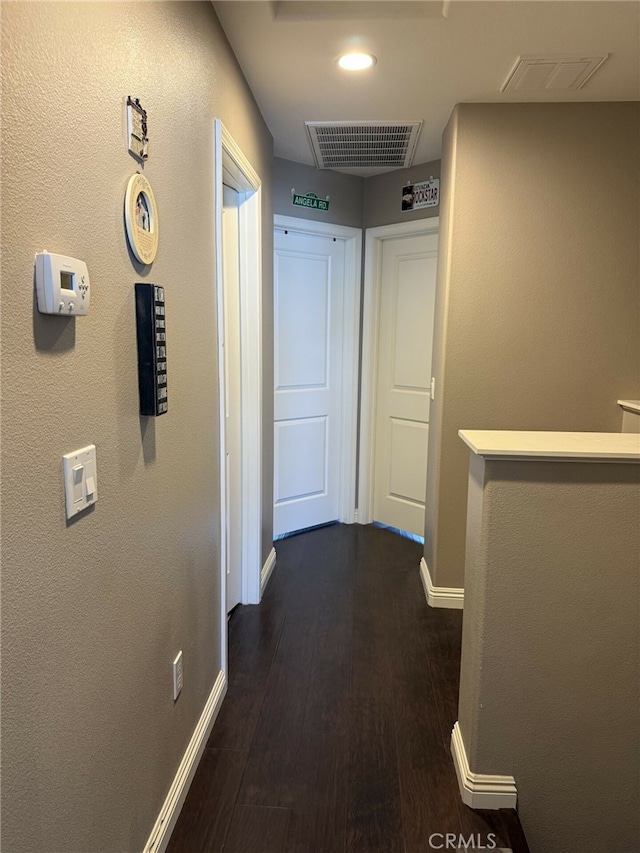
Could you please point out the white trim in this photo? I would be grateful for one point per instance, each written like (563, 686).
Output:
(310, 226)
(402, 229)
(352, 238)
(374, 238)
(480, 790)
(251, 336)
(218, 167)
(237, 170)
(440, 596)
(267, 569)
(163, 827)
(232, 167)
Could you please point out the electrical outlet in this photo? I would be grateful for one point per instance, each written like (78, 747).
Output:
(177, 676)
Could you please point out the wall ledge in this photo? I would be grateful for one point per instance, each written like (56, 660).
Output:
(630, 405)
(451, 598)
(267, 569)
(538, 445)
(480, 790)
(163, 827)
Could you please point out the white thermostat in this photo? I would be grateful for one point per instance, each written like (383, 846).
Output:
(62, 285)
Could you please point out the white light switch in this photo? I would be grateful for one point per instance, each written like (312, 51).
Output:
(80, 479)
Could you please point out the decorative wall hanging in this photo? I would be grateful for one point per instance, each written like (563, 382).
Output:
(137, 139)
(423, 194)
(309, 200)
(141, 218)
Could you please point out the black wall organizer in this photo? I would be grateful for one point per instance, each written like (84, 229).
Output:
(152, 349)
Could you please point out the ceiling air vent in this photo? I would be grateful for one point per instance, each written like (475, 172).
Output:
(355, 10)
(363, 144)
(551, 73)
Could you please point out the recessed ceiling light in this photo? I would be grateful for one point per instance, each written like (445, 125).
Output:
(356, 61)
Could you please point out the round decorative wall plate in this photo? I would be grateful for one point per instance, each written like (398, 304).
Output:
(141, 218)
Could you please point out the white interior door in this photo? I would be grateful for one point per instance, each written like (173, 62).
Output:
(233, 394)
(309, 279)
(407, 286)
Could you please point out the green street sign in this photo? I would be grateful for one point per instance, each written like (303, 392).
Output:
(310, 200)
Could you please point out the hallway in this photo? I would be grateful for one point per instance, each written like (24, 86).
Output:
(334, 735)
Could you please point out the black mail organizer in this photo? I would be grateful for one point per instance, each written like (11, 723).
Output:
(152, 349)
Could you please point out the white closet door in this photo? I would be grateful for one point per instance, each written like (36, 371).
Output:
(405, 340)
(308, 296)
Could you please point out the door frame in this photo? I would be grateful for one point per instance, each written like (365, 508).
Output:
(352, 238)
(374, 238)
(233, 168)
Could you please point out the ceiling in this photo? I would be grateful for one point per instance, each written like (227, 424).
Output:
(430, 56)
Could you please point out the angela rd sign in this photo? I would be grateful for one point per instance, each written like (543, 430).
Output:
(310, 200)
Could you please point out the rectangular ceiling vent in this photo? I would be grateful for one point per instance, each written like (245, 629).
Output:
(551, 73)
(363, 144)
(356, 10)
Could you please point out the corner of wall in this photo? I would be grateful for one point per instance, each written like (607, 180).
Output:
(436, 417)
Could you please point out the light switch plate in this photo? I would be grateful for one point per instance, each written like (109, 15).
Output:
(80, 480)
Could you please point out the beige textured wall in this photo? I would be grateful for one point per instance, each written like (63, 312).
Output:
(550, 673)
(538, 310)
(93, 613)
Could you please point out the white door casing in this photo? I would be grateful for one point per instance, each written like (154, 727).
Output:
(231, 353)
(316, 319)
(400, 277)
(233, 169)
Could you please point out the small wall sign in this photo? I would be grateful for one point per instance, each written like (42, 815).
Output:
(309, 200)
(423, 194)
(137, 139)
(141, 218)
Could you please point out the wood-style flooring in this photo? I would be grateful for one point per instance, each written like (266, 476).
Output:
(334, 734)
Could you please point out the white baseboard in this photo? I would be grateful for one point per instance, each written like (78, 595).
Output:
(161, 832)
(440, 596)
(269, 566)
(479, 790)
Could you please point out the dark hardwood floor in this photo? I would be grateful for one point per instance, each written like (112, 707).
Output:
(334, 734)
